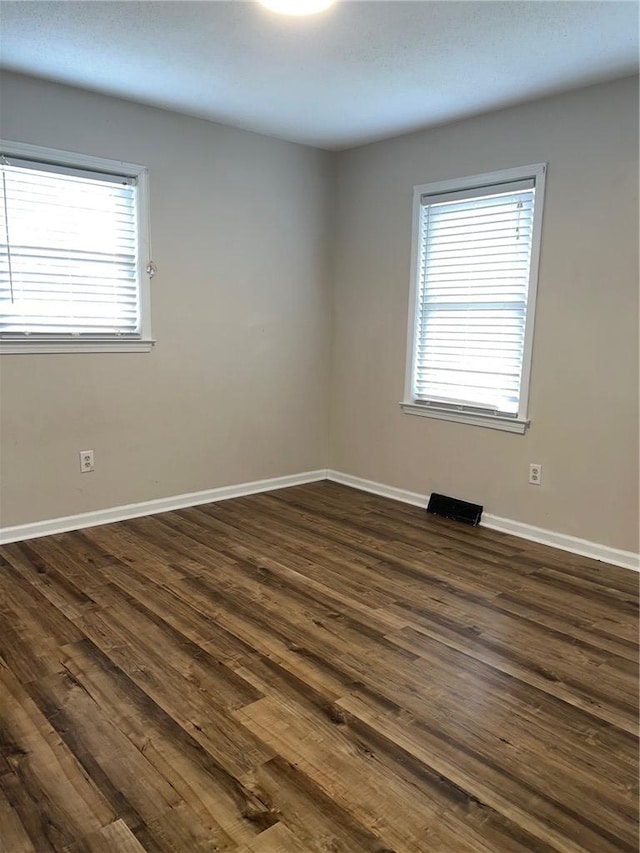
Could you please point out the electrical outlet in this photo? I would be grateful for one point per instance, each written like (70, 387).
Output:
(86, 461)
(535, 473)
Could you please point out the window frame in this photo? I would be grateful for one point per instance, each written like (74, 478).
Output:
(99, 344)
(410, 405)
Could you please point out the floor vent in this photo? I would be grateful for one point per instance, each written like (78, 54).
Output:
(454, 508)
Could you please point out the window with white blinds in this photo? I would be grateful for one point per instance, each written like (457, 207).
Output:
(476, 255)
(71, 267)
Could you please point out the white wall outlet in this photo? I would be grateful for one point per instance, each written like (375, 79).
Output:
(535, 473)
(86, 461)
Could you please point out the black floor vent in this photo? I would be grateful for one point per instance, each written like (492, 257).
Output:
(454, 508)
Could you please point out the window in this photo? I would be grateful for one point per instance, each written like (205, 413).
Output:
(74, 264)
(475, 261)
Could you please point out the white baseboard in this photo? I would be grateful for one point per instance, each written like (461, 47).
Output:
(403, 495)
(122, 513)
(583, 547)
(625, 559)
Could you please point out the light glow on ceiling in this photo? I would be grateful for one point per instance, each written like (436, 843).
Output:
(297, 7)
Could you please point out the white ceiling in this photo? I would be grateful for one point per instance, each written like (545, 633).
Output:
(361, 71)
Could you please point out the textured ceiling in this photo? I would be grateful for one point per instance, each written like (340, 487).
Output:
(362, 71)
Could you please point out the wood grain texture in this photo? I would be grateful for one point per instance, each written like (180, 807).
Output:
(314, 669)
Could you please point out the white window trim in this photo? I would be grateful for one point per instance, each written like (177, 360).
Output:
(87, 344)
(409, 405)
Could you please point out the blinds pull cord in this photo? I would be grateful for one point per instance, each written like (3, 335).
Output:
(151, 268)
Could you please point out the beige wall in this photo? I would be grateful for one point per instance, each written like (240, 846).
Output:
(584, 387)
(236, 388)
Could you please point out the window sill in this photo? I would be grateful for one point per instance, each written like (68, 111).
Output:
(29, 347)
(488, 421)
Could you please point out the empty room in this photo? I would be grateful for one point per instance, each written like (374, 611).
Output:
(319, 436)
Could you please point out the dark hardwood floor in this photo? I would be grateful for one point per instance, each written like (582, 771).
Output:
(314, 669)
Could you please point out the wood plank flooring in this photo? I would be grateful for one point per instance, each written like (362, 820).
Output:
(314, 669)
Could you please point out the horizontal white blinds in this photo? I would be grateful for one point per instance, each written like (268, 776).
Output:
(474, 264)
(68, 265)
